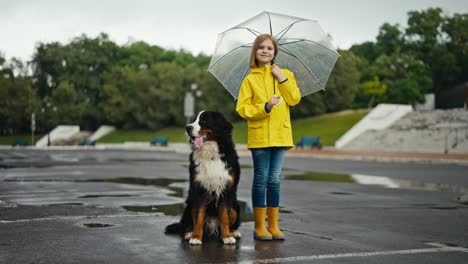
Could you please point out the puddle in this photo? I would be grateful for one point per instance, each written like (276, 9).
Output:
(284, 211)
(106, 195)
(64, 158)
(444, 207)
(322, 176)
(6, 166)
(130, 160)
(463, 199)
(245, 166)
(424, 205)
(378, 181)
(177, 210)
(405, 184)
(308, 234)
(341, 193)
(167, 209)
(160, 182)
(66, 204)
(96, 225)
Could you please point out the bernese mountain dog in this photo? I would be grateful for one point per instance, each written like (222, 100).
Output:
(211, 208)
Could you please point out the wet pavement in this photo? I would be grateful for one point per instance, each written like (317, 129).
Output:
(112, 206)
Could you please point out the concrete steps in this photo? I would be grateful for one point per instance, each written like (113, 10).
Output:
(437, 131)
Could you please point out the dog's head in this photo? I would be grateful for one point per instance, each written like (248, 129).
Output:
(208, 125)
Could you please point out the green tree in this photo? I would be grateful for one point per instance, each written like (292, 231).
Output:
(373, 89)
(424, 28)
(425, 41)
(456, 28)
(390, 39)
(47, 66)
(18, 100)
(69, 105)
(407, 78)
(367, 50)
(343, 83)
(140, 55)
(150, 98)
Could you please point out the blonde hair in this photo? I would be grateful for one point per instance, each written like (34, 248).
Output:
(258, 41)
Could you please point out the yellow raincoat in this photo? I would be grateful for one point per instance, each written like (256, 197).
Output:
(271, 129)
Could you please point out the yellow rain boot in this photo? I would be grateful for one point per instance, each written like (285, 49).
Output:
(261, 233)
(273, 227)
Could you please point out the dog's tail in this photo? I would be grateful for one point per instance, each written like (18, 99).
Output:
(175, 228)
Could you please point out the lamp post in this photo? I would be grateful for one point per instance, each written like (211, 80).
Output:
(33, 127)
(46, 111)
(189, 101)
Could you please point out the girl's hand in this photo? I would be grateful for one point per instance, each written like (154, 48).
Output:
(275, 100)
(276, 71)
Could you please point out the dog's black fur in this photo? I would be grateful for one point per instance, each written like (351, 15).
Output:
(220, 202)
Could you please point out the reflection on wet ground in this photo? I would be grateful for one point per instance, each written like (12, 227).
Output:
(106, 195)
(40, 159)
(178, 209)
(374, 180)
(166, 209)
(66, 204)
(160, 182)
(97, 225)
(386, 182)
(341, 193)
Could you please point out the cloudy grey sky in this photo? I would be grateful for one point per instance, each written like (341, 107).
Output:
(191, 24)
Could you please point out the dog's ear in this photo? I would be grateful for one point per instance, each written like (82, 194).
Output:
(224, 124)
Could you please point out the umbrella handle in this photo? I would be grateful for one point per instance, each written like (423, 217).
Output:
(280, 100)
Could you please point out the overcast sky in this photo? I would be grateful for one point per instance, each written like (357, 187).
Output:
(191, 24)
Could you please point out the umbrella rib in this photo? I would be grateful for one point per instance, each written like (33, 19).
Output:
(242, 46)
(287, 52)
(302, 62)
(269, 20)
(254, 32)
(287, 28)
(307, 40)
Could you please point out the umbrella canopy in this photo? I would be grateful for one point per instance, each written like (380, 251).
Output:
(303, 48)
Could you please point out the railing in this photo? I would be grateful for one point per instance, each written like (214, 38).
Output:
(458, 135)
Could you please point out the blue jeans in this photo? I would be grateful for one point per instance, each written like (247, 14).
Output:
(268, 163)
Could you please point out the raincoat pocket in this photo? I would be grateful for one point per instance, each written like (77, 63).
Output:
(256, 131)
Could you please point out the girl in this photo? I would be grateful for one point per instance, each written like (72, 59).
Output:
(264, 99)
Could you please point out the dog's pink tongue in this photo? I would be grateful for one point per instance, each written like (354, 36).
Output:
(198, 142)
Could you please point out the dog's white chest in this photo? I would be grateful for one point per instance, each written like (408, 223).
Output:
(211, 170)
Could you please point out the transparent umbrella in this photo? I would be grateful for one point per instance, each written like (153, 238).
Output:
(303, 48)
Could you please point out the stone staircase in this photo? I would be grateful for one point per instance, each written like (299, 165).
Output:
(437, 131)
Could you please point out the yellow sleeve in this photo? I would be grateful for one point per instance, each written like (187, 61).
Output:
(289, 89)
(245, 106)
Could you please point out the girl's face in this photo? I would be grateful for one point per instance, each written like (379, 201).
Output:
(265, 53)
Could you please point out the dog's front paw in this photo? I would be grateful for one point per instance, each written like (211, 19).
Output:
(195, 241)
(229, 240)
(236, 234)
(188, 235)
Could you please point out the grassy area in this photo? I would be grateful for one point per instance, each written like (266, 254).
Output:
(322, 176)
(173, 134)
(10, 140)
(328, 127)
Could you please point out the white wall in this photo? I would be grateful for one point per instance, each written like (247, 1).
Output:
(101, 132)
(59, 133)
(381, 117)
